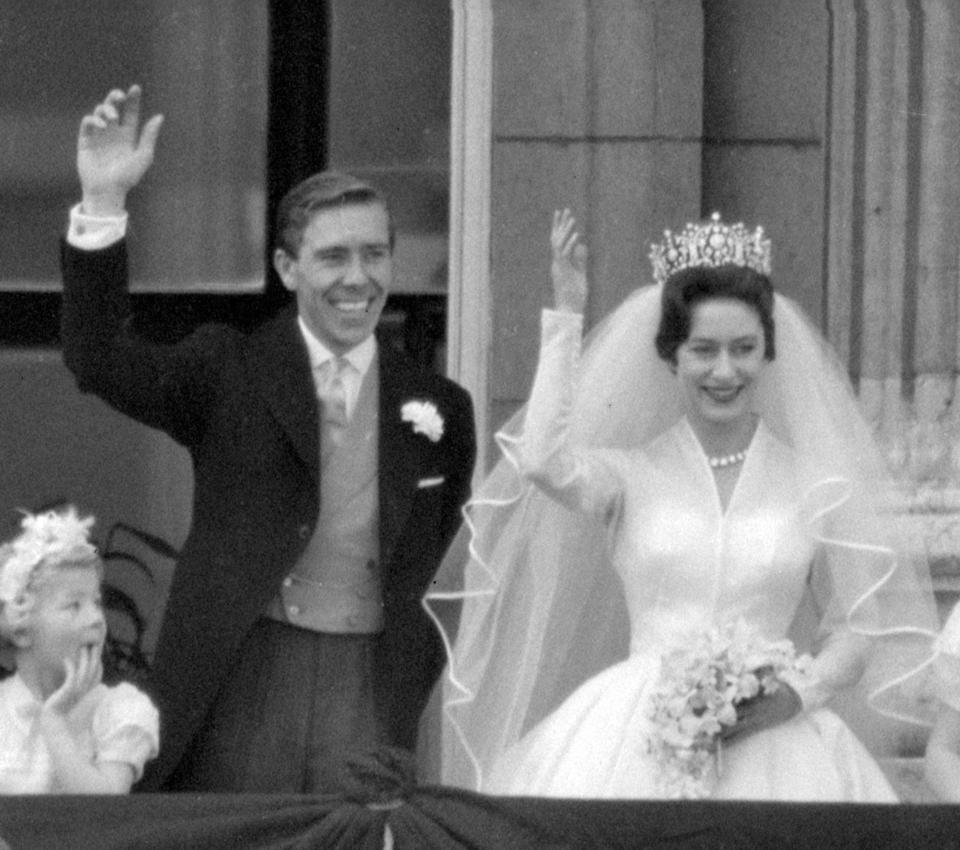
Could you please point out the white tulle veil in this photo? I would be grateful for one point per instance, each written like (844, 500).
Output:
(540, 607)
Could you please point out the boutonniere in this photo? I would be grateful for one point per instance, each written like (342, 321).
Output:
(424, 417)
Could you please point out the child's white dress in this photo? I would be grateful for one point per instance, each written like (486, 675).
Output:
(116, 723)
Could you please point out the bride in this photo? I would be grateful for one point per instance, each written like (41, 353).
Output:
(703, 462)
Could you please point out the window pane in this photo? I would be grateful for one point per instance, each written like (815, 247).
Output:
(197, 219)
(389, 117)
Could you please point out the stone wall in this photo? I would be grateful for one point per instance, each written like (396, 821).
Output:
(596, 106)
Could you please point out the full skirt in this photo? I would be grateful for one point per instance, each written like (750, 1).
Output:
(595, 746)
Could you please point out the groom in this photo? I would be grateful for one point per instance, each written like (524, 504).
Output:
(329, 473)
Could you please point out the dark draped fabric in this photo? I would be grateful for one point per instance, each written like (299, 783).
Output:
(298, 80)
(444, 818)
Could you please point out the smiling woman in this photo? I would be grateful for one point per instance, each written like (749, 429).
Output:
(717, 367)
(620, 543)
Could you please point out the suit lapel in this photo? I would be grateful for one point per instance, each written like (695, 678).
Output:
(398, 461)
(280, 369)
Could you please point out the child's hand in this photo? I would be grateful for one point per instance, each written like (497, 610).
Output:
(83, 674)
(74, 768)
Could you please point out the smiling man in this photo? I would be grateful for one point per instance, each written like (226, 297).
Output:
(340, 265)
(293, 639)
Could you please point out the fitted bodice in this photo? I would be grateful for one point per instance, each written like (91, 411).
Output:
(685, 561)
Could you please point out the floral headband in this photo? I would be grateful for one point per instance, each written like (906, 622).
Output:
(52, 537)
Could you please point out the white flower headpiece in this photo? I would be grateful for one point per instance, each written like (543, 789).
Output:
(49, 537)
(425, 418)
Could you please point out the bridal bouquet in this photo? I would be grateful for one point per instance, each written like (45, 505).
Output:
(700, 685)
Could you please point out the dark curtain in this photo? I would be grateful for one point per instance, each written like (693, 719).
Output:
(296, 121)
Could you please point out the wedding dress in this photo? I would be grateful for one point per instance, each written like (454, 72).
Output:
(517, 720)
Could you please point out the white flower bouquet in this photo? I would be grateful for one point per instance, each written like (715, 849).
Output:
(701, 683)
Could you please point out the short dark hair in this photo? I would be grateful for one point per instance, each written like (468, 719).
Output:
(687, 288)
(321, 191)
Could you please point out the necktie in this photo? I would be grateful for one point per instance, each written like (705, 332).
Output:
(333, 403)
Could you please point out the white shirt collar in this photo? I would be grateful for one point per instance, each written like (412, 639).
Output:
(360, 356)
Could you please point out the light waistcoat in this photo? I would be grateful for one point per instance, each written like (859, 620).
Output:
(335, 586)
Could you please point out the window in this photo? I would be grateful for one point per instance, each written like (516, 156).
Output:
(199, 219)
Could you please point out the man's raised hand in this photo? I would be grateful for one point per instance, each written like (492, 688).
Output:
(113, 152)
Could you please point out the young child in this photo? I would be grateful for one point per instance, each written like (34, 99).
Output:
(942, 760)
(61, 729)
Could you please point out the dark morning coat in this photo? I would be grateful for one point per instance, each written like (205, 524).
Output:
(245, 407)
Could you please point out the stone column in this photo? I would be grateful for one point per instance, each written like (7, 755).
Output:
(200, 212)
(880, 359)
(892, 248)
(893, 207)
(842, 141)
(936, 359)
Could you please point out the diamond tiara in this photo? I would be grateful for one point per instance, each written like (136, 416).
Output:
(710, 243)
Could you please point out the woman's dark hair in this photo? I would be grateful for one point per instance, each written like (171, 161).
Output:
(685, 289)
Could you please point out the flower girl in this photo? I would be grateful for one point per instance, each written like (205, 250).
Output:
(942, 760)
(61, 729)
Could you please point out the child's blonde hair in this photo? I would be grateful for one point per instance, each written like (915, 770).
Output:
(48, 541)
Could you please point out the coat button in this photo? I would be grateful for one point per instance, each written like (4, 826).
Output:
(294, 610)
(288, 582)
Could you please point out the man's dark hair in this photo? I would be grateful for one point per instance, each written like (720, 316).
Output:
(321, 191)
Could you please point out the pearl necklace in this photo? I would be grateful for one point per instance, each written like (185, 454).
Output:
(727, 460)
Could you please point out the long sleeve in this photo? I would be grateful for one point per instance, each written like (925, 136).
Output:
(837, 666)
(164, 386)
(578, 478)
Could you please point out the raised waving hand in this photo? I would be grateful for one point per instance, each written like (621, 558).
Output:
(113, 151)
(568, 266)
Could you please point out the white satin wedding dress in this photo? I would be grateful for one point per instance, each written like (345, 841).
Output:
(685, 561)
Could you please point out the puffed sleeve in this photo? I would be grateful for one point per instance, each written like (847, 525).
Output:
(126, 728)
(582, 479)
(947, 664)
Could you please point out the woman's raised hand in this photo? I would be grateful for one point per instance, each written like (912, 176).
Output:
(568, 267)
(113, 153)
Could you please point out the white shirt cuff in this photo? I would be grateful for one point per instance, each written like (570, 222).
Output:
(91, 232)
